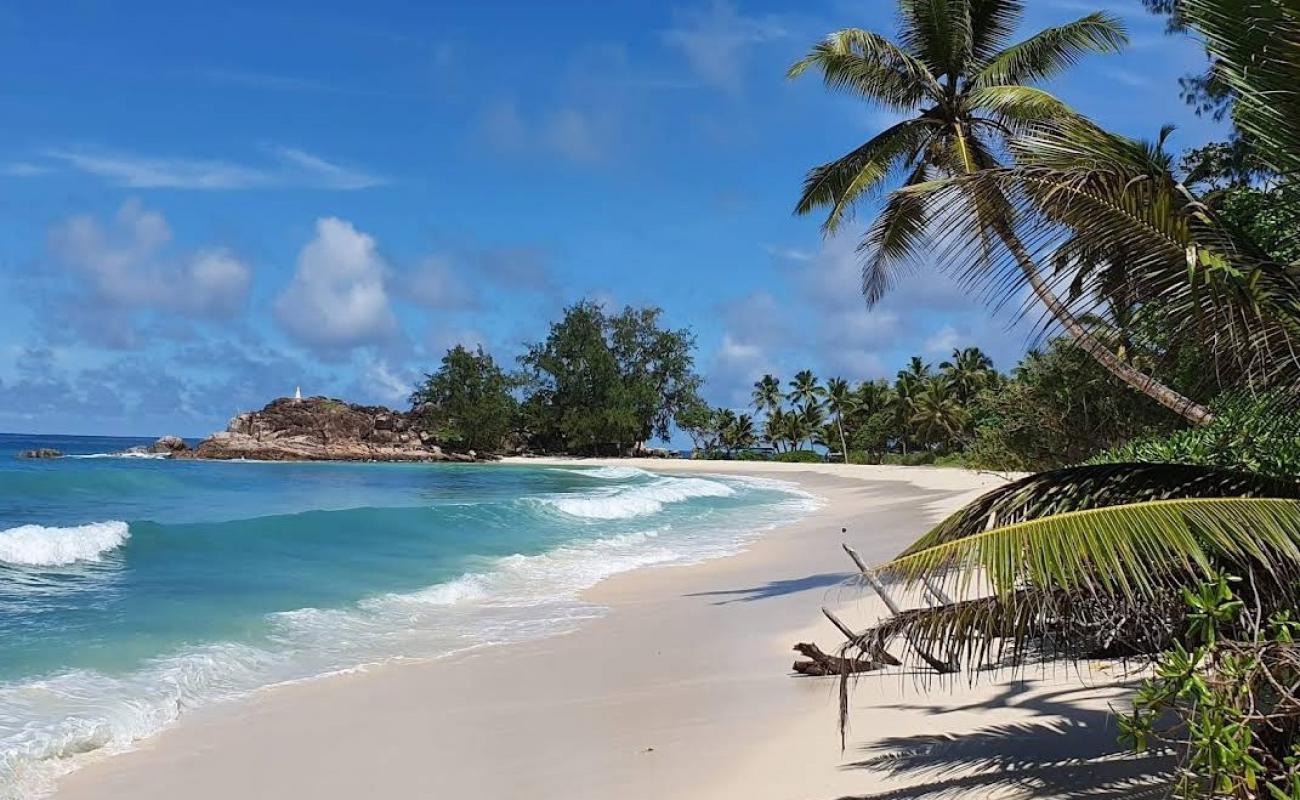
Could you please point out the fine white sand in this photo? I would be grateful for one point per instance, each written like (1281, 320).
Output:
(683, 690)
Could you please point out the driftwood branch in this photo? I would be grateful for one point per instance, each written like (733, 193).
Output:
(875, 583)
(820, 664)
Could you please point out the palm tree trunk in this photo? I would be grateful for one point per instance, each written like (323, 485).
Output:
(844, 447)
(1182, 405)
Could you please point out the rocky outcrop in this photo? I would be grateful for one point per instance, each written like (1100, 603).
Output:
(41, 452)
(322, 429)
(169, 445)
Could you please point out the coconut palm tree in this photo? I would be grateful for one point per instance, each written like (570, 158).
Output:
(967, 88)
(738, 433)
(968, 372)
(776, 427)
(841, 401)
(811, 416)
(804, 388)
(767, 397)
(938, 415)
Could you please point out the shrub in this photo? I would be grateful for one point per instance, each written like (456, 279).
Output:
(1260, 434)
(799, 457)
(753, 455)
(913, 459)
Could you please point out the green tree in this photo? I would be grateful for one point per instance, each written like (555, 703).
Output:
(467, 401)
(608, 383)
(938, 415)
(840, 399)
(955, 70)
(657, 367)
(737, 431)
(804, 388)
(767, 397)
(698, 420)
(776, 428)
(968, 372)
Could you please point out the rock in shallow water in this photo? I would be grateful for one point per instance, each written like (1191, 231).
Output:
(41, 452)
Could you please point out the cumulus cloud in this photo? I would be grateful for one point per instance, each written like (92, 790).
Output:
(126, 265)
(338, 299)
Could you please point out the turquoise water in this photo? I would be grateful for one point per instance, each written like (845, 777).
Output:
(135, 589)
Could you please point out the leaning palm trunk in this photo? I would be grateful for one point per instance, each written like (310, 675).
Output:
(1180, 404)
(844, 446)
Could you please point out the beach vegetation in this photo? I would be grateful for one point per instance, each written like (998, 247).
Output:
(468, 402)
(1179, 546)
(607, 384)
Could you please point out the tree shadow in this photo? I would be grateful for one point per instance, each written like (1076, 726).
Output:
(777, 588)
(1071, 754)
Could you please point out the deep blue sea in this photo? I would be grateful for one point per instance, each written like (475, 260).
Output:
(135, 589)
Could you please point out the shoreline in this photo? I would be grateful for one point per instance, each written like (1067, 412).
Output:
(681, 688)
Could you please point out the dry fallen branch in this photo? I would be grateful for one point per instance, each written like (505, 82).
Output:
(820, 664)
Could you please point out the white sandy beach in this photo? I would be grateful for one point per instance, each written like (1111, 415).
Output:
(682, 690)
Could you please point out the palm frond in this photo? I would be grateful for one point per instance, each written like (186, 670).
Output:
(1113, 198)
(992, 22)
(1255, 49)
(1053, 50)
(1132, 551)
(935, 31)
(871, 66)
(894, 239)
(1018, 105)
(1097, 486)
(840, 183)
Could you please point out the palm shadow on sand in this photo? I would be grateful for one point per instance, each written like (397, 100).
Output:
(1071, 754)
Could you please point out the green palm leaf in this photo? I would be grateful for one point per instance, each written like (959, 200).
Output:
(1054, 50)
(1018, 104)
(840, 183)
(1097, 486)
(1255, 48)
(869, 65)
(1083, 199)
(1128, 550)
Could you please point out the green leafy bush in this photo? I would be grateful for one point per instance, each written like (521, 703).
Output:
(1226, 697)
(917, 458)
(799, 457)
(753, 455)
(1260, 434)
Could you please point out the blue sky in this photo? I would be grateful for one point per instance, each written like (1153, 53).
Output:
(203, 206)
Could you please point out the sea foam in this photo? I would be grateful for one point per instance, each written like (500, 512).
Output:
(635, 500)
(41, 546)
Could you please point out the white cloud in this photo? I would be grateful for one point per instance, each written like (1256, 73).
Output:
(125, 265)
(291, 168)
(387, 385)
(714, 41)
(580, 135)
(736, 365)
(23, 169)
(942, 341)
(443, 338)
(338, 298)
(436, 283)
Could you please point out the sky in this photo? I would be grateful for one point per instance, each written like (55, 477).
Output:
(206, 205)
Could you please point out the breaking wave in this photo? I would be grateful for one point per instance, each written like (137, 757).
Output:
(41, 546)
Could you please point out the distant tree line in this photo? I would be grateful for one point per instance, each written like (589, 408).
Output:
(1057, 407)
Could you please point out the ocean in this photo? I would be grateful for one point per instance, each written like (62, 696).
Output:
(135, 589)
